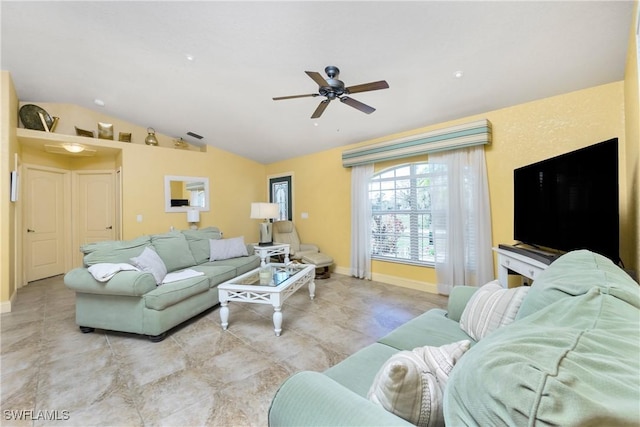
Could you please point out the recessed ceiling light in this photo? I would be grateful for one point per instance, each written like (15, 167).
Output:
(189, 57)
(458, 74)
(98, 102)
(73, 148)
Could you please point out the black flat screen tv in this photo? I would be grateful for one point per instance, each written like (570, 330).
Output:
(570, 201)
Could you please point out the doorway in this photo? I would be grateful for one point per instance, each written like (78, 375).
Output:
(280, 192)
(94, 208)
(63, 210)
(47, 225)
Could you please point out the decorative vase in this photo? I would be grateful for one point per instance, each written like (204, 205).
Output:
(151, 137)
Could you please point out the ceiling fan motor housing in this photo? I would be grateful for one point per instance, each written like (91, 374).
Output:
(335, 87)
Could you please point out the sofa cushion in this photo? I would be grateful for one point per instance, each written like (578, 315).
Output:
(431, 328)
(174, 250)
(216, 273)
(150, 262)
(242, 264)
(222, 249)
(199, 242)
(411, 383)
(176, 276)
(113, 251)
(312, 399)
(172, 293)
(491, 307)
(574, 362)
(575, 273)
(357, 371)
(458, 300)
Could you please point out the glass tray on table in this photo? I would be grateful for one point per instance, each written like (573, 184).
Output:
(279, 274)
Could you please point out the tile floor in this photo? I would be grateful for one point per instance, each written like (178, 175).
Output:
(199, 375)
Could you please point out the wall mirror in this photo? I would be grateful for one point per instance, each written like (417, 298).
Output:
(182, 193)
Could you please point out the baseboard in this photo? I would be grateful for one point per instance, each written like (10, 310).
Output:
(5, 306)
(342, 270)
(406, 283)
(394, 280)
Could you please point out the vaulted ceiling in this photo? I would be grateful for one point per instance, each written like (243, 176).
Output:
(213, 67)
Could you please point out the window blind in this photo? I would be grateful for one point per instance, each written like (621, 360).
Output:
(450, 138)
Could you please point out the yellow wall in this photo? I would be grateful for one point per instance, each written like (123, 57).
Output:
(522, 134)
(10, 265)
(234, 183)
(631, 221)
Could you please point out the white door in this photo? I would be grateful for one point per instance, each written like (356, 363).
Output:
(95, 207)
(46, 193)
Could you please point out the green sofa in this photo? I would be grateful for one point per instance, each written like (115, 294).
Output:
(570, 357)
(132, 301)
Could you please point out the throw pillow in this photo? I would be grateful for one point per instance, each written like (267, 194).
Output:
(150, 261)
(199, 242)
(227, 248)
(491, 307)
(411, 383)
(174, 250)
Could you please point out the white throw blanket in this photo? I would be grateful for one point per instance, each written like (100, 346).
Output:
(102, 272)
(182, 274)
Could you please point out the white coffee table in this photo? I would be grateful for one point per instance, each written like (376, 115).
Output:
(247, 288)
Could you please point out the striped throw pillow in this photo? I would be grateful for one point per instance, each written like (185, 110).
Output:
(411, 383)
(491, 307)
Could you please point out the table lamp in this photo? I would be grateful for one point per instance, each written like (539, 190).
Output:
(193, 218)
(265, 211)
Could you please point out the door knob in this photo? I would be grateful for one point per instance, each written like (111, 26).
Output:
(110, 227)
(30, 230)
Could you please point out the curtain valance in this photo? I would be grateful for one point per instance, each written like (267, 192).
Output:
(450, 138)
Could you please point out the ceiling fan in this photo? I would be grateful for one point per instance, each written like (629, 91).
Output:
(333, 88)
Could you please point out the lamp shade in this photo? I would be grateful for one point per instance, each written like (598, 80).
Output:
(261, 210)
(193, 215)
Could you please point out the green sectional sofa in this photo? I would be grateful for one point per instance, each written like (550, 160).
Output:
(133, 301)
(570, 357)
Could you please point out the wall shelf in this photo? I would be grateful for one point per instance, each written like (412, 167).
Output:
(104, 147)
(38, 139)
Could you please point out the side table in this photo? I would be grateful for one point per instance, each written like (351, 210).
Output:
(267, 251)
(518, 263)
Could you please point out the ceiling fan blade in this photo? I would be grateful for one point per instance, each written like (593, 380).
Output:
(382, 84)
(317, 77)
(278, 98)
(320, 109)
(357, 105)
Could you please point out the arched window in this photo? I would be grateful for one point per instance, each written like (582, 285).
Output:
(401, 208)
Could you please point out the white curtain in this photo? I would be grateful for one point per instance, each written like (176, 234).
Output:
(462, 220)
(361, 221)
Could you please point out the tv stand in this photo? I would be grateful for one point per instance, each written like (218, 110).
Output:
(519, 261)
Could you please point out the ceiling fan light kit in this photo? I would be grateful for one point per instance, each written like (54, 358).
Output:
(333, 88)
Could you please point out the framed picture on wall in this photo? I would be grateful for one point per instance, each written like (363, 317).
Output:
(14, 186)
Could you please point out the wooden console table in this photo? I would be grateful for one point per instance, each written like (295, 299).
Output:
(518, 263)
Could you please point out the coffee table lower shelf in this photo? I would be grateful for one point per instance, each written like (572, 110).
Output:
(235, 290)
